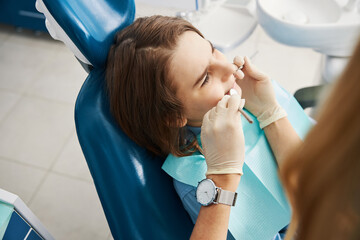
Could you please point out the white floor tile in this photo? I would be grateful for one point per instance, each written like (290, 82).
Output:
(35, 131)
(20, 179)
(21, 60)
(72, 161)
(15, 78)
(7, 102)
(60, 79)
(70, 209)
(28, 38)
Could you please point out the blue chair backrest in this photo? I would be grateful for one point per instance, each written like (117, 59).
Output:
(138, 198)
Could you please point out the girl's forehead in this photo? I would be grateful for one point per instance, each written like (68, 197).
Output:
(190, 58)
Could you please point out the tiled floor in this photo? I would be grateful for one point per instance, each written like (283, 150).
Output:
(40, 157)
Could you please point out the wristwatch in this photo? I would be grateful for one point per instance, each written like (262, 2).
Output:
(207, 193)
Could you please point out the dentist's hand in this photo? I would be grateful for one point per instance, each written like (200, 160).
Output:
(258, 92)
(222, 137)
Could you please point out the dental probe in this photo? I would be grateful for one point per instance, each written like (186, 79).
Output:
(232, 92)
(251, 57)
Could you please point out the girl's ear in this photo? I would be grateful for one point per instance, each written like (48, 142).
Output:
(182, 122)
(179, 123)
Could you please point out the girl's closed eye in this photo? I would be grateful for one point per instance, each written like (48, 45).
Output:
(206, 80)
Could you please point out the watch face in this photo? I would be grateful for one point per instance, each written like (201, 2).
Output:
(206, 192)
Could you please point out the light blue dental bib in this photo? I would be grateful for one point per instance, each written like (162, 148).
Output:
(262, 208)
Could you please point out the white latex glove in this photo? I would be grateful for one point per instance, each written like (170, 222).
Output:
(258, 92)
(222, 137)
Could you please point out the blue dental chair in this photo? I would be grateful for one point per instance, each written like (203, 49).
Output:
(138, 198)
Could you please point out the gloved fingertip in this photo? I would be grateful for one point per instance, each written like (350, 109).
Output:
(225, 98)
(238, 60)
(233, 92)
(242, 103)
(239, 74)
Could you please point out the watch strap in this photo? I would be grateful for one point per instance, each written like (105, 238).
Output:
(226, 197)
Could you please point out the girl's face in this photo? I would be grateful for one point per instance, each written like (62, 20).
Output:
(202, 76)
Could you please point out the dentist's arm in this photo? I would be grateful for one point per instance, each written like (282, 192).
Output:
(224, 149)
(261, 102)
(212, 221)
(282, 139)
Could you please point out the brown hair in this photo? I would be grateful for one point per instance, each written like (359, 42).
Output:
(322, 177)
(142, 97)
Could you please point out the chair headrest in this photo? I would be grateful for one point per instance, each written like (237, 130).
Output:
(87, 27)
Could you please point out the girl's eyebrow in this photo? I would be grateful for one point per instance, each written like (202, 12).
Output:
(206, 69)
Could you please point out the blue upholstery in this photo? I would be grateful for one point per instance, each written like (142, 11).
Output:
(91, 25)
(138, 198)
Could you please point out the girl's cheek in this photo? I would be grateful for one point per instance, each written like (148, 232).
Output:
(215, 99)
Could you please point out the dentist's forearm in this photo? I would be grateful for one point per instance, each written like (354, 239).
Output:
(282, 138)
(212, 222)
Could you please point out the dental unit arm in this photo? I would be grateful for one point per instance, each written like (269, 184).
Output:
(138, 198)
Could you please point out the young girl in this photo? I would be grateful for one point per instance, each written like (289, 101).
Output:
(162, 77)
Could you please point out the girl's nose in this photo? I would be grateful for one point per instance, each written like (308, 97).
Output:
(224, 69)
